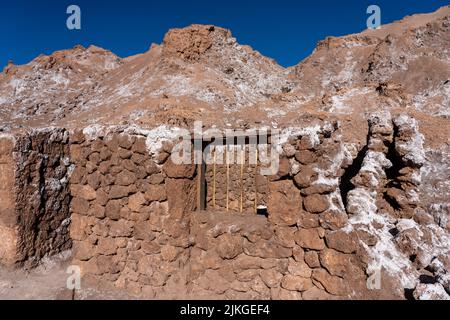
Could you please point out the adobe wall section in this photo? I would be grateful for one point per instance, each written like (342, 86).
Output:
(8, 225)
(34, 210)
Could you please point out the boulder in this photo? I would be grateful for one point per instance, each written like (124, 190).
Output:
(332, 284)
(229, 246)
(342, 241)
(316, 203)
(309, 239)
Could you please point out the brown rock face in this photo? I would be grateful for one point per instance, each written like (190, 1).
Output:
(293, 283)
(35, 196)
(309, 239)
(304, 178)
(284, 204)
(229, 246)
(342, 241)
(336, 263)
(178, 171)
(192, 42)
(332, 284)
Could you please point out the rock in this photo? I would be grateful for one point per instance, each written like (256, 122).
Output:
(107, 246)
(87, 193)
(318, 188)
(125, 178)
(316, 203)
(284, 203)
(300, 269)
(143, 231)
(151, 247)
(155, 193)
(118, 192)
(289, 150)
(156, 179)
(112, 209)
(80, 206)
(284, 168)
(294, 283)
(97, 211)
(83, 250)
(94, 180)
(136, 201)
(181, 196)
(77, 175)
(304, 178)
(342, 241)
(191, 43)
(332, 284)
(335, 262)
(121, 228)
(305, 157)
(80, 227)
(286, 295)
(367, 237)
(315, 293)
(229, 246)
(140, 146)
(179, 171)
(271, 277)
(305, 143)
(106, 265)
(169, 253)
(333, 219)
(77, 137)
(247, 275)
(430, 292)
(307, 220)
(286, 236)
(126, 141)
(309, 239)
(312, 259)
(266, 249)
(151, 168)
(124, 153)
(105, 154)
(298, 253)
(245, 262)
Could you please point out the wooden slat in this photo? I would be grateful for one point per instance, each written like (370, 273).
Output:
(214, 178)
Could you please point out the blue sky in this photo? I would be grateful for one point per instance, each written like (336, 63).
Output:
(286, 30)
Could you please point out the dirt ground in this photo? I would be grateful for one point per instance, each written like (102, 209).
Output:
(48, 282)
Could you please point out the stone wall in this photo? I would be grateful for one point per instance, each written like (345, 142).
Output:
(34, 213)
(135, 227)
(299, 251)
(333, 210)
(130, 226)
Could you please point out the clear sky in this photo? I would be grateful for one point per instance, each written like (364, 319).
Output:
(286, 30)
